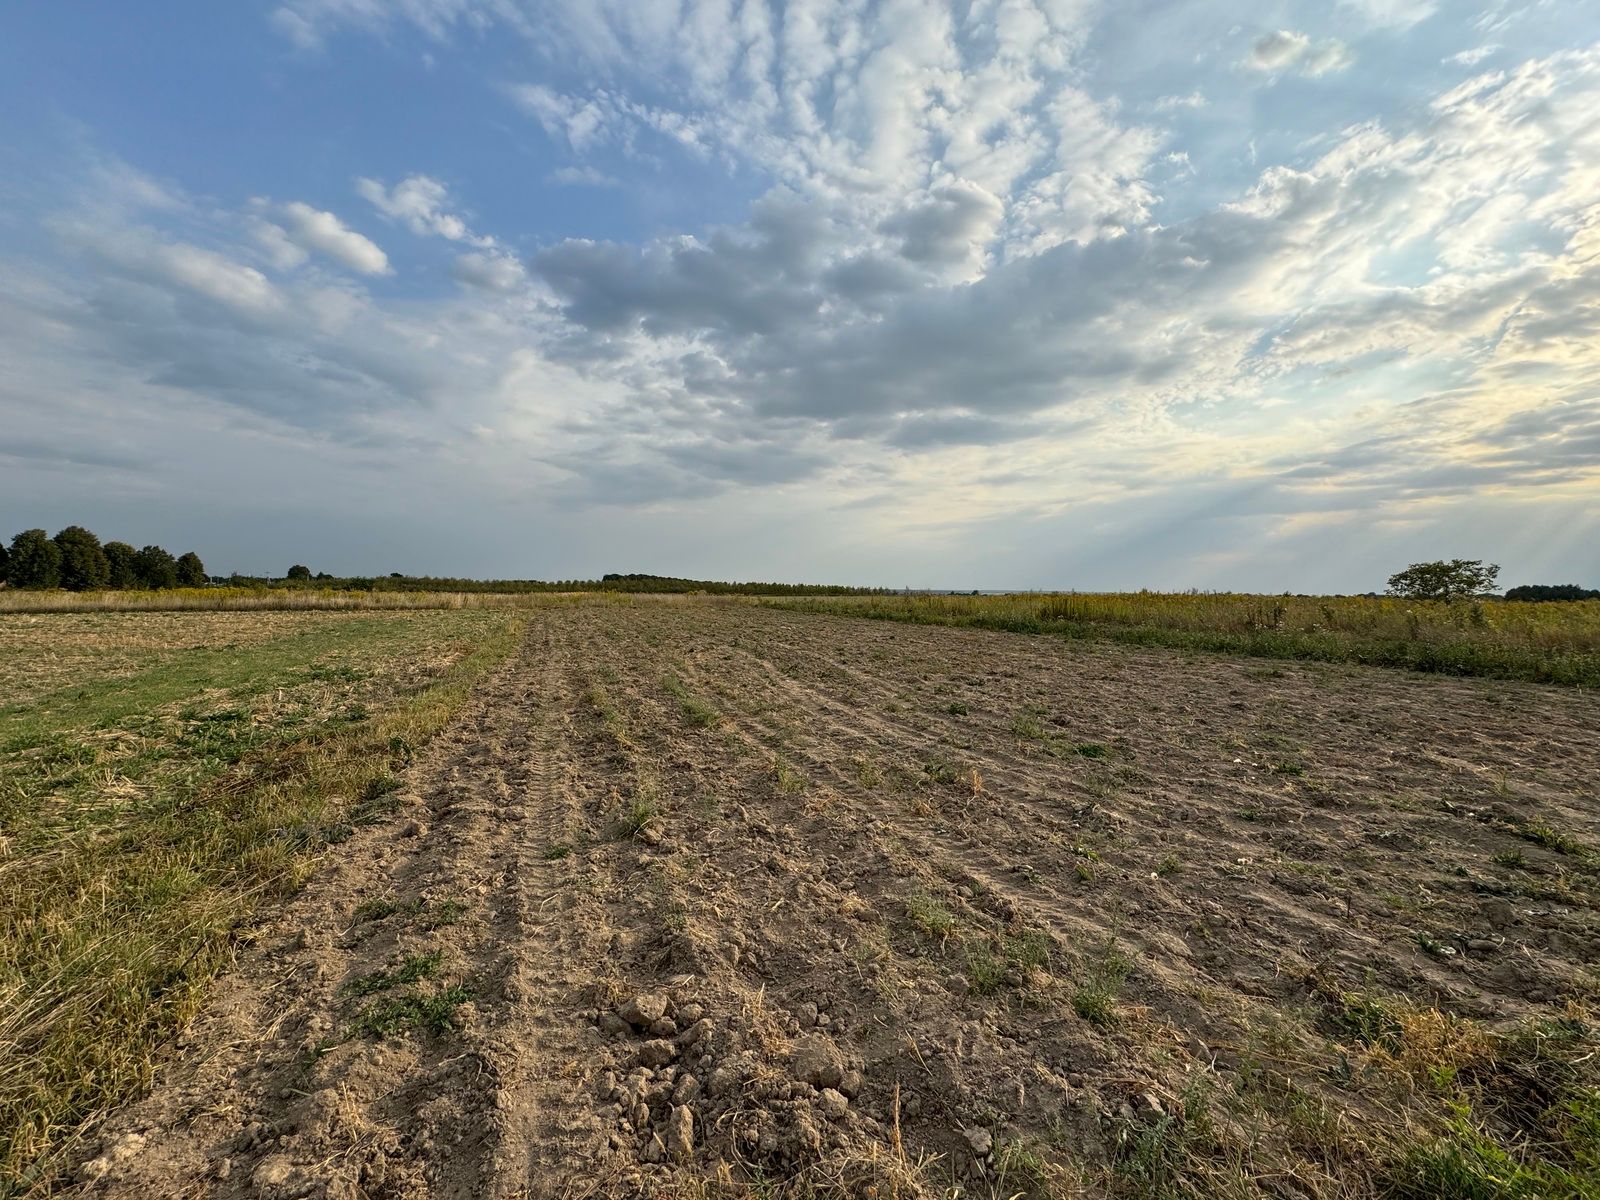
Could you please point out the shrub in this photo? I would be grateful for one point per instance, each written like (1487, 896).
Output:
(298, 572)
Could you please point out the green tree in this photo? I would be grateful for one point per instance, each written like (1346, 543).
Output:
(4, 555)
(35, 561)
(123, 560)
(299, 572)
(1444, 580)
(157, 568)
(191, 571)
(84, 567)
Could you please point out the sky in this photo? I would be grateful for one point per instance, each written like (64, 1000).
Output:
(1094, 294)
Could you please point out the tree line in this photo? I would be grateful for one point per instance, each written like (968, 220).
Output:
(75, 559)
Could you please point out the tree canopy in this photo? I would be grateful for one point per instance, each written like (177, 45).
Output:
(35, 561)
(84, 566)
(1452, 579)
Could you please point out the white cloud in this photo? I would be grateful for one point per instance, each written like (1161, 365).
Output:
(422, 205)
(1195, 99)
(1283, 49)
(1392, 14)
(1474, 56)
(583, 177)
(324, 233)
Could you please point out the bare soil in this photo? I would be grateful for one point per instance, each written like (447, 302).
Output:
(727, 898)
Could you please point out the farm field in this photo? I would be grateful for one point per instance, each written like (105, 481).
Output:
(695, 898)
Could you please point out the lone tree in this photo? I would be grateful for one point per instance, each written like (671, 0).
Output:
(1452, 580)
(299, 572)
(84, 567)
(123, 560)
(35, 561)
(191, 571)
(157, 568)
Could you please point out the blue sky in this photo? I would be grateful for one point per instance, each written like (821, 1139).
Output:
(992, 293)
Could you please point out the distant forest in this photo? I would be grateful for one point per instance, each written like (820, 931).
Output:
(76, 560)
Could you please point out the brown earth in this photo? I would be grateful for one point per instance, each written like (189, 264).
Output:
(907, 909)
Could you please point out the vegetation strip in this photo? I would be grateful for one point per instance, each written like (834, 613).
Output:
(1554, 642)
(140, 839)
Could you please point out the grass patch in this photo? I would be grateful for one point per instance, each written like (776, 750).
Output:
(931, 916)
(695, 710)
(153, 811)
(1095, 999)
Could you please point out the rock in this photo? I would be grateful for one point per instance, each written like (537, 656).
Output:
(664, 1028)
(696, 1033)
(690, 1013)
(641, 1116)
(680, 1132)
(688, 1088)
(657, 1052)
(722, 1082)
(223, 1169)
(644, 1010)
(806, 1014)
(833, 1104)
(816, 1061)
(413, 828)
(605, 1087)
(613, 1025)
(851, 1083)
(980, 1139)
(274, 1171)
(655, 1150)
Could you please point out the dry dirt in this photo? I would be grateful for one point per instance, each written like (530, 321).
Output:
(904, 903)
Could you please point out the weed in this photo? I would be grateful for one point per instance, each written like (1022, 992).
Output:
(412, 1010)
(1511, 858)
(1170, 865)
(635, 817)
(956, 708)
(789, 780)
(941, 770)
(1091, 750)
(1095, 998)
(695, 710)
(930, 916)
(559, 850)
(413, 968)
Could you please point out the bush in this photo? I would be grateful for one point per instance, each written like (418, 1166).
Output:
(35, 561)
(84, 567)
(298, 572)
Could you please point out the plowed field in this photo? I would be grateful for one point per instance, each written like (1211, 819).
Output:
(709, 899)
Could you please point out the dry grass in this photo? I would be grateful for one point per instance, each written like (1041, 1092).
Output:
(148, 812)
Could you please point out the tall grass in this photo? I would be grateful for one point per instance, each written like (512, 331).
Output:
(1557, 642)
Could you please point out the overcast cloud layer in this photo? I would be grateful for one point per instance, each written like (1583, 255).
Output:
(929, 292)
